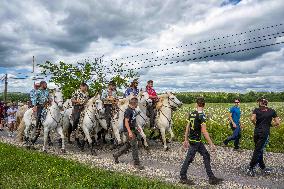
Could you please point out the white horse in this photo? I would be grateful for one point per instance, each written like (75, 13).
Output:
(166, 105)
(53, 120)
(141, 118)
(90, 122)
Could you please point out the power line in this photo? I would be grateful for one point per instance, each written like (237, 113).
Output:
(197, 43)
(208, 56)
(212, 48)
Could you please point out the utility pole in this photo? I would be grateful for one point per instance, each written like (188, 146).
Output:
(33, 64)
(5, 88)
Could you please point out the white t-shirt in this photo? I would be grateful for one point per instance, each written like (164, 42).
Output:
(13, 116)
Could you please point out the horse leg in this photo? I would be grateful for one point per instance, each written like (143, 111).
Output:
(45, 138)
(144, 137)
(172, 134)
(49, 140)
(69, 131)
(163, 133)
(90, 141)
(60, 132)
(117, 135)
(26, 137)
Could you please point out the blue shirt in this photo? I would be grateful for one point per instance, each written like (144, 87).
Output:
(131, 90)
(33, 96)
(236, 114)
(42, 96)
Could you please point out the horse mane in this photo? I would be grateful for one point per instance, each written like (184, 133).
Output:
(161, 101)
(91, 100)
(123, 101)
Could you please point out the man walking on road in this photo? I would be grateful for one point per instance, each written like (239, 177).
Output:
(262, 119)
(234, 116)
(192, 140)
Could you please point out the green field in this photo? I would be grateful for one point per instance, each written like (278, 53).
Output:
(218, 124)
(20, 168)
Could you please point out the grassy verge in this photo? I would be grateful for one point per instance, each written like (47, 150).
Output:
(20, 168)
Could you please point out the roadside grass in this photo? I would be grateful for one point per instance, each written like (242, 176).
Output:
(20, 168)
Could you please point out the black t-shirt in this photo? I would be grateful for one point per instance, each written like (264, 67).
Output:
(196, 119)
(130, 114)
(263, 119)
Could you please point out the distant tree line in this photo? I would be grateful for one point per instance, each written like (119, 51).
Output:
(15, 97)
(222, 97)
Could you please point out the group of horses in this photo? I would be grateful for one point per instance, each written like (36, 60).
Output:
(59, 118)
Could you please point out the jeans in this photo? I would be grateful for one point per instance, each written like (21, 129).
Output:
(260, 140)
(130, 144)
(193, 148)
(235, 136)
(38, 116)
(76, 116)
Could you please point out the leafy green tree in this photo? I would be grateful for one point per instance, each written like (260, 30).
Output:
(69, 77)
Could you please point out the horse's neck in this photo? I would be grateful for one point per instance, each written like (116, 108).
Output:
(166, 109)
(143, 107)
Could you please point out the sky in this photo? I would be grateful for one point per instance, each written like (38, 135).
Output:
(71, 31)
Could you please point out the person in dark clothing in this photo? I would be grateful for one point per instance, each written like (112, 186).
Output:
(109, 98)
(151, 109)
(79, 98)
(192, 140)
(130, 128)
(262, 119)
(234, 116)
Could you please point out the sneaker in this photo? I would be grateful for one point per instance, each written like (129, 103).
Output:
(115, 159)
(266, 171)
(215, 180)
(251, 172)
(225, 142)
(139, 166)
(186, 181)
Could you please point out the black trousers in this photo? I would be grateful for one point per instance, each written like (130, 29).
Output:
(152, 114)
(260, 141)
(130, 144)
(38, 116)
(76, 116)
(193, 148)
(108, 112)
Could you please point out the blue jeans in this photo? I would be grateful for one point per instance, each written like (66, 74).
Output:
(235, 136)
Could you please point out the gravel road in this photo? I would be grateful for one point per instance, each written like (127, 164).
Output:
(165, 166)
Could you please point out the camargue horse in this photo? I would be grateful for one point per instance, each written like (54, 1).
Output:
(92, 120)
(52, 121)
(165, 107)
(19, 123)
(143, 99)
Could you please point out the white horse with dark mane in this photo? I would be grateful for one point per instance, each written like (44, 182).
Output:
(52, 121)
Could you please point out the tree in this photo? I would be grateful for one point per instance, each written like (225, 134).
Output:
(69, 77)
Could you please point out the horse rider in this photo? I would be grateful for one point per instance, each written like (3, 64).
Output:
(109, 98)
(39, 102)
(33, 94)
(79, 98)
(151, 109)
(133, 88)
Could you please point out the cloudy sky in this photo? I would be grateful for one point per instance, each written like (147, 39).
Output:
(213, 40)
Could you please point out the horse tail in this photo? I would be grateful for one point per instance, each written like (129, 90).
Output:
(20, 131)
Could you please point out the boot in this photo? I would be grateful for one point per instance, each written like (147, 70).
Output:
(186, 181)
(214, 180)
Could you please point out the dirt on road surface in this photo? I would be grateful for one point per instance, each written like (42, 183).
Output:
(165, 165)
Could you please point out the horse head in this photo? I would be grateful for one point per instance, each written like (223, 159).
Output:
(143, 98)
(57, 97)
(98, 104)
(173, 100)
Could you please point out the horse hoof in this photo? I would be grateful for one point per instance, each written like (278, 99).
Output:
(63, 151)
(94, 153)
(50, 144)
(44, 151)
(147, 148)
(32, 148)
(28, 147)
(167, 148)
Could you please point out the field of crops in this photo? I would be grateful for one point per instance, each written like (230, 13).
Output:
(218, 124)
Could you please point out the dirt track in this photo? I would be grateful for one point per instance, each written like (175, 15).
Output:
(226, 163)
